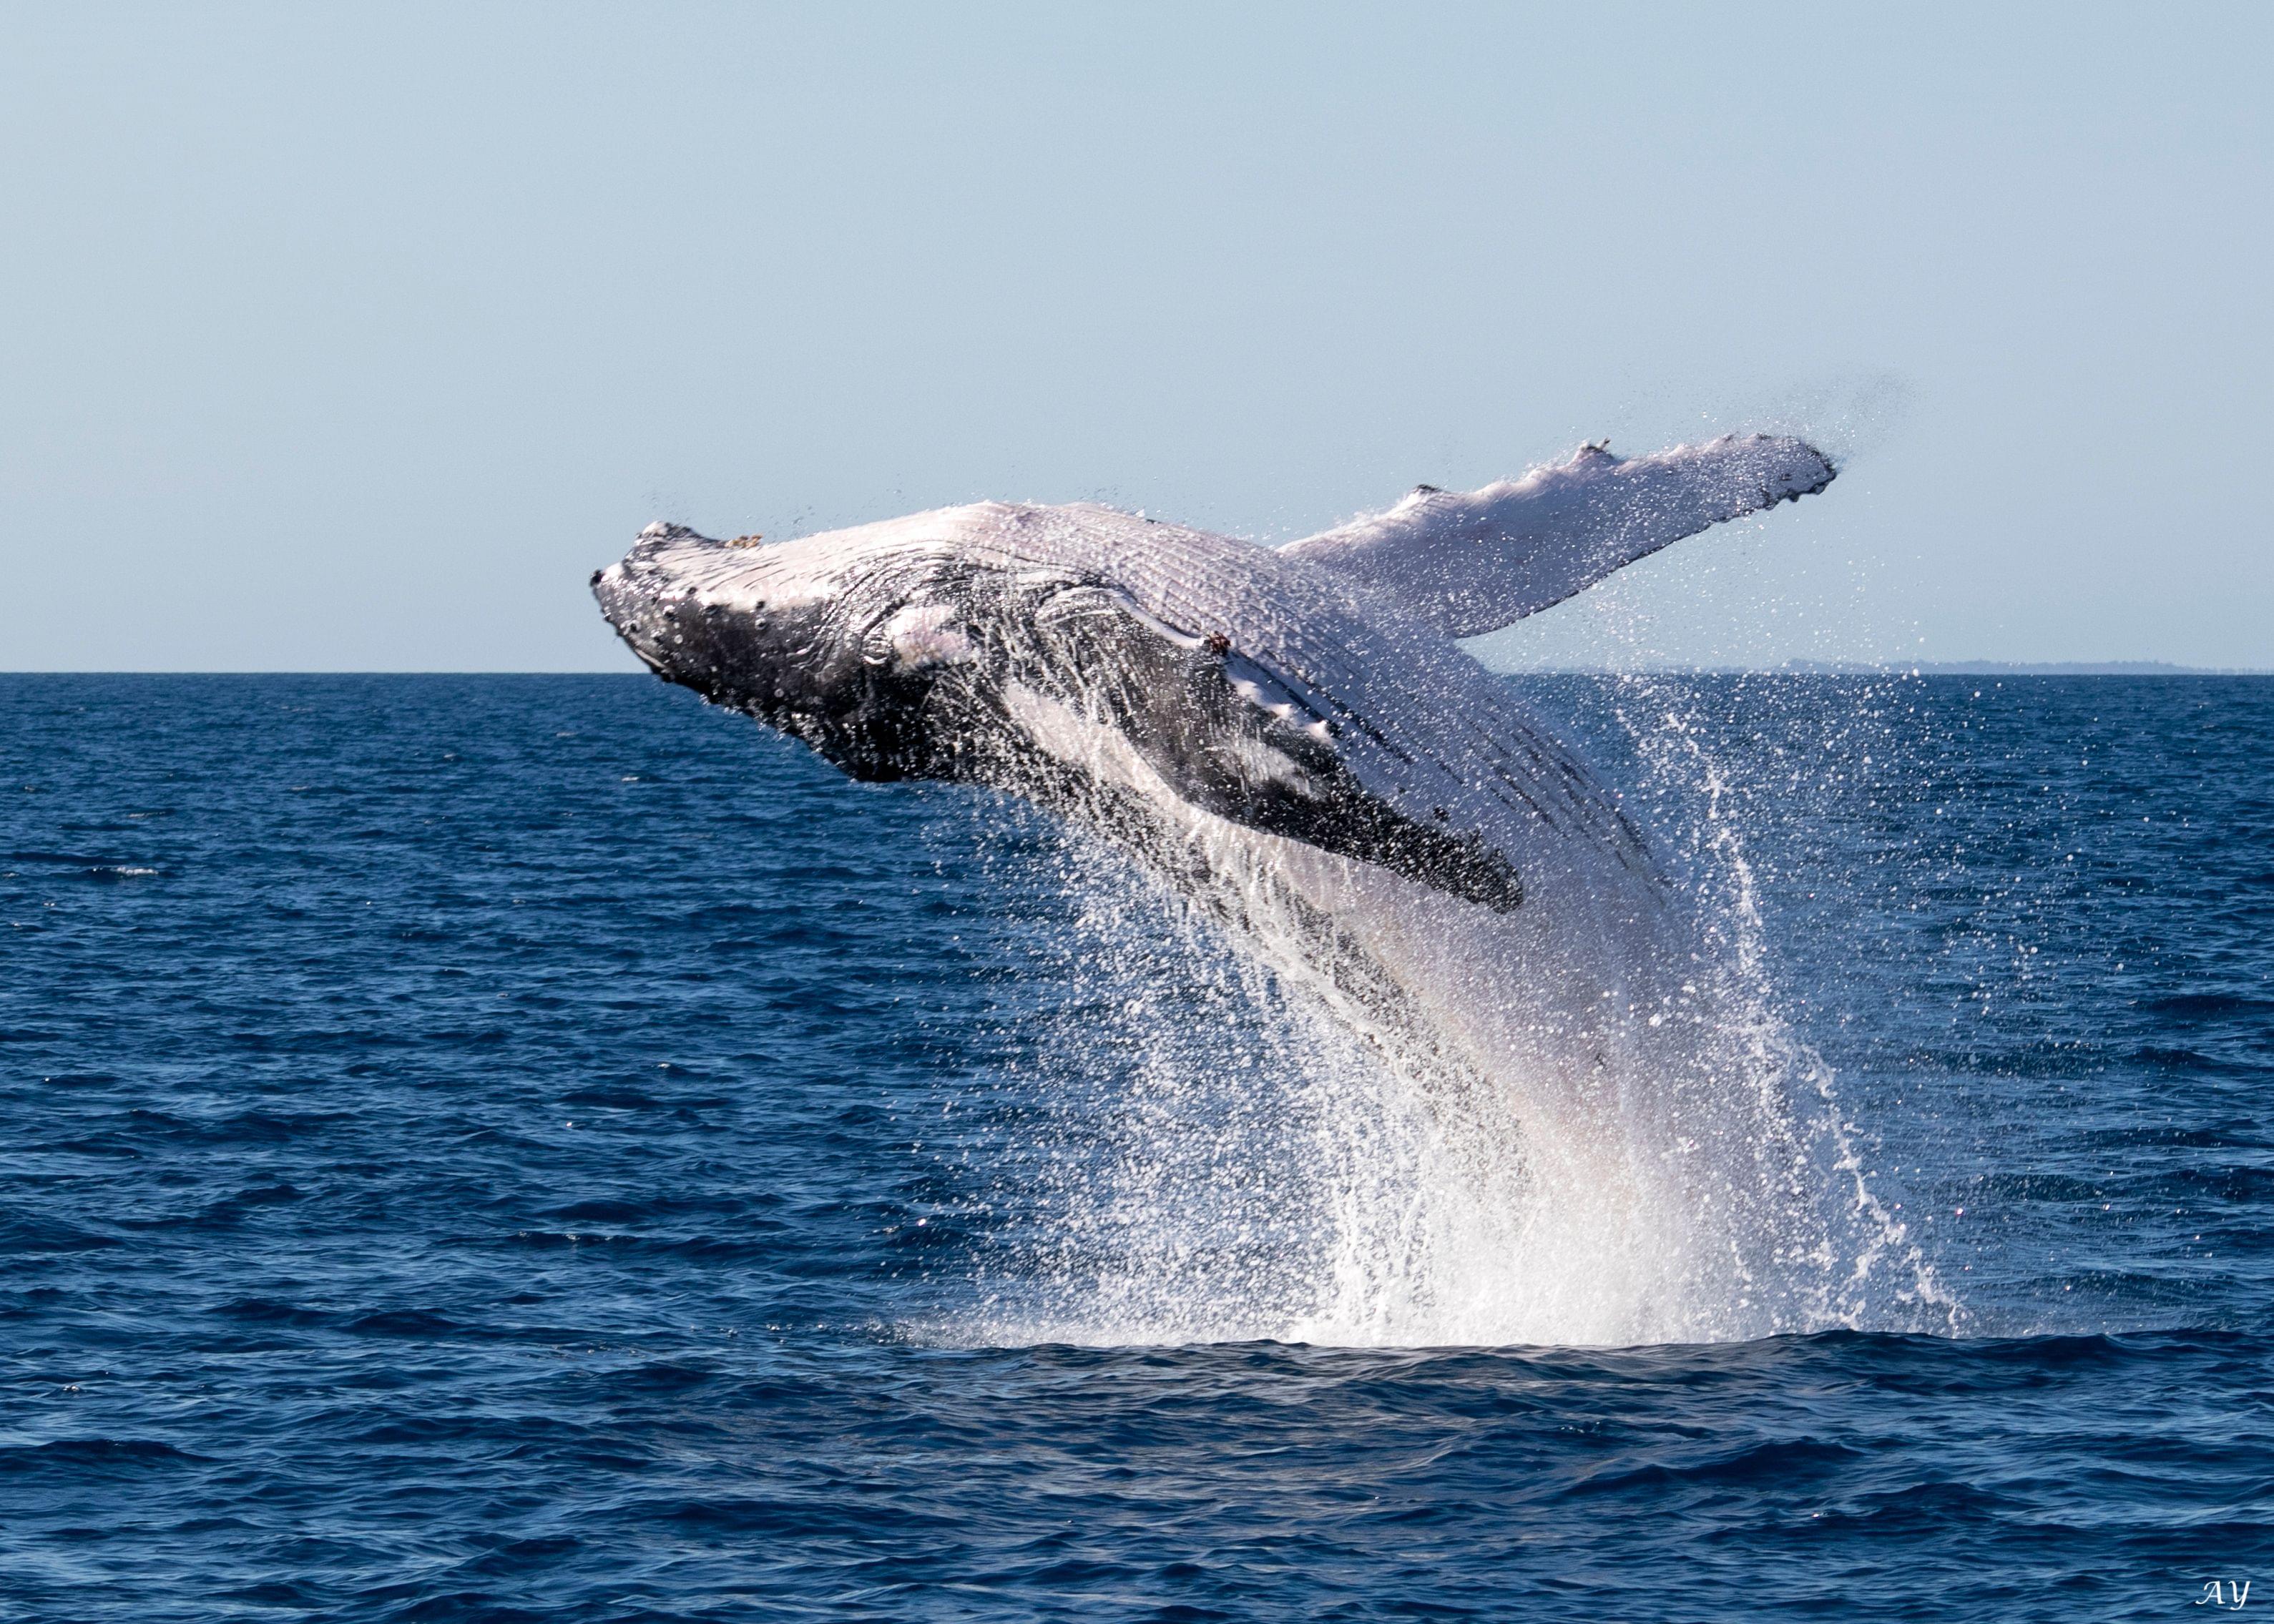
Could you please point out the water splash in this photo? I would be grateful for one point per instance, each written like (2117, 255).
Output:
(1870, 1273)
(1235, 1150)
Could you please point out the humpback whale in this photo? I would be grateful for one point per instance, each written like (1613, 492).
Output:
(1290, 737)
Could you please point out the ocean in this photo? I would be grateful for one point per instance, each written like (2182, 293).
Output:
(538, 1148)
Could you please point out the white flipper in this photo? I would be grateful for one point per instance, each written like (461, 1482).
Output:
(1470, 563)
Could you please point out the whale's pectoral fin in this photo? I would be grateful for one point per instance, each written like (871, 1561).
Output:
(1470, 562)
(1225, 733)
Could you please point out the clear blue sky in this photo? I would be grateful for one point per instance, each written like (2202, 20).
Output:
(355, 337)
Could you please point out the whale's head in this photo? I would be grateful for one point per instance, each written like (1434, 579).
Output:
(944, 646)
(836, 643)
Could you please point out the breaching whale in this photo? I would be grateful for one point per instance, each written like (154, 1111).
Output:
(1290, 737)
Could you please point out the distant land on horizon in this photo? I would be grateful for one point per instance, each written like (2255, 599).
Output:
(1919, 668)
(2022, 668)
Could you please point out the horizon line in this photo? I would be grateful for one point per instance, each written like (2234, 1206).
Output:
(1804, 668)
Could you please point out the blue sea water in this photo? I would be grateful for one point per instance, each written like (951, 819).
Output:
(538, 1148)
